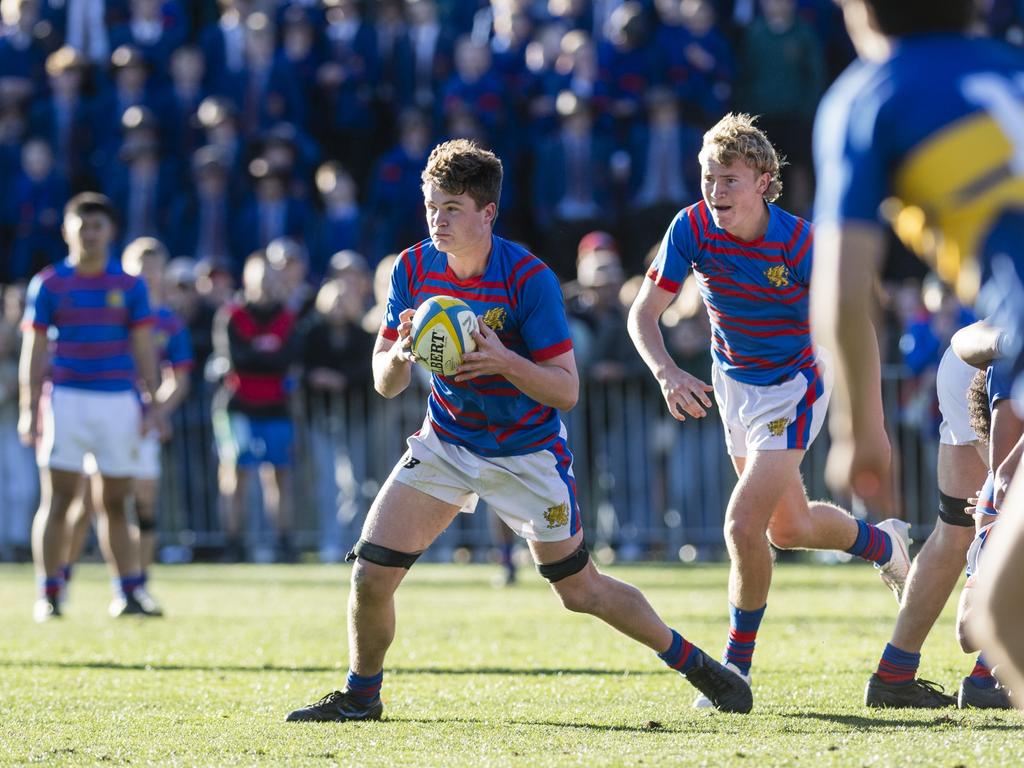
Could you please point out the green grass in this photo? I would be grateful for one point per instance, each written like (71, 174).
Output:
(477, 676)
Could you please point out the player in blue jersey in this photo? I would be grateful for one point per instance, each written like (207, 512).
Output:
(925, 134)
(492, 431)
(146, 258)
(96, 319)
(752, 262)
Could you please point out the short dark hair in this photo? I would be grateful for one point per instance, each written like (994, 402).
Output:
(462, 166)
(978, 412)
(898, 18)
(91, 202)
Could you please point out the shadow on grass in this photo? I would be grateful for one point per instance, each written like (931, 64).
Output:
(651, 727)
(164, 667)
(885, 722)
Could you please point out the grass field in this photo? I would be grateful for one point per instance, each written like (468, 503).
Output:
(477, 676)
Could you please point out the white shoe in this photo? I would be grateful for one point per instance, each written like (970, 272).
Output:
(703, 702)
(894, 573)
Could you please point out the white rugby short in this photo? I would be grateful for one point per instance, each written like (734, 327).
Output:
(535, 494)
(80, 422)
(775, 417)
(951, 383)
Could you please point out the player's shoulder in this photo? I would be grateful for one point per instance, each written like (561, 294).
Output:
(520, 266)
(788, 225)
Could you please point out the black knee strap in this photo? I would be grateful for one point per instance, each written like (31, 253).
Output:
(563, 569)
(147, 525)
(375, 553)
(951, 511)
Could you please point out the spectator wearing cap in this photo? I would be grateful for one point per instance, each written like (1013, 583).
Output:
(22, 51)
(152, 33)
(183, 133)
(37, 200)
(141, 186)
(265, 92)
(571, 182)
(290, 259)
(626, 63)
(475, 86)
(340, 226)
(63, 116)
(200, 222)
(781, 77)
(130, 74)
(432, 46)
(396, 197)
(223, 44)
(336, 355)
(218, 121)
(663, 174)
(345, 89)
(271, 213)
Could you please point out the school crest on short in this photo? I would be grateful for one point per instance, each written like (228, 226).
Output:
(495, 318)
(778, 426)
(115, 298)
(777, 276)
(557, 516)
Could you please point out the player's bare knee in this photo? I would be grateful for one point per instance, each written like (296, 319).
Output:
(786, 535)
(579, 593)
(742, 534)
(372, 583)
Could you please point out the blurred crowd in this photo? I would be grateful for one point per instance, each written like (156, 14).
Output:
(299, 130)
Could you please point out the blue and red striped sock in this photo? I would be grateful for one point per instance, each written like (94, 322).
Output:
(682, 655)
(981, 675)
(743, 626)
(898, 667)
(364, 690)
(65, 572)
(50, 587)
(871, 544)
(126, 585)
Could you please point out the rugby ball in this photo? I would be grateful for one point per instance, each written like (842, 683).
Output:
(442, 332)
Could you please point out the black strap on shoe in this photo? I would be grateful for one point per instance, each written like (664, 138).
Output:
(563, 569)
(375, 553)
(951, 511)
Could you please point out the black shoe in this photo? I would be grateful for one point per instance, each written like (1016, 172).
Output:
(974, 696)
(46, 608)
(723, 687)
(138, 603)
(918, 693)
(284, 552)
(336, 706)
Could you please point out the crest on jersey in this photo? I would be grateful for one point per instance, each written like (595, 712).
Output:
(777, 276)
(557, 516)
(495, 318)
(778, 426)
(115, 298)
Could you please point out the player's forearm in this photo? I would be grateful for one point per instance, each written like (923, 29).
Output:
(174, 389)
(1004, 434)
(549, 385)
(31, 370)
(978, 344)
(392, 373)
(144, 356)
(646, 334)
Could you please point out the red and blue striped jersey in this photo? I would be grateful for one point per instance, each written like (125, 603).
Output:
(519, 298)
(171, 339)
(89, 319)
(755, 292)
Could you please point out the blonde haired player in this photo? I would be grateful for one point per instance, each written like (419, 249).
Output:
(752, 261)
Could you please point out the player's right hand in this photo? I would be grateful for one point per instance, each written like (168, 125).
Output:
(404, 351)
(862, 467)
(684, 394)
(28, 426)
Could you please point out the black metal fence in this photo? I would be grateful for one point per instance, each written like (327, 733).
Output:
(649, 487)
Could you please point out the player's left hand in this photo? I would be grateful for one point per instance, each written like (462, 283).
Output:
(491, 356)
